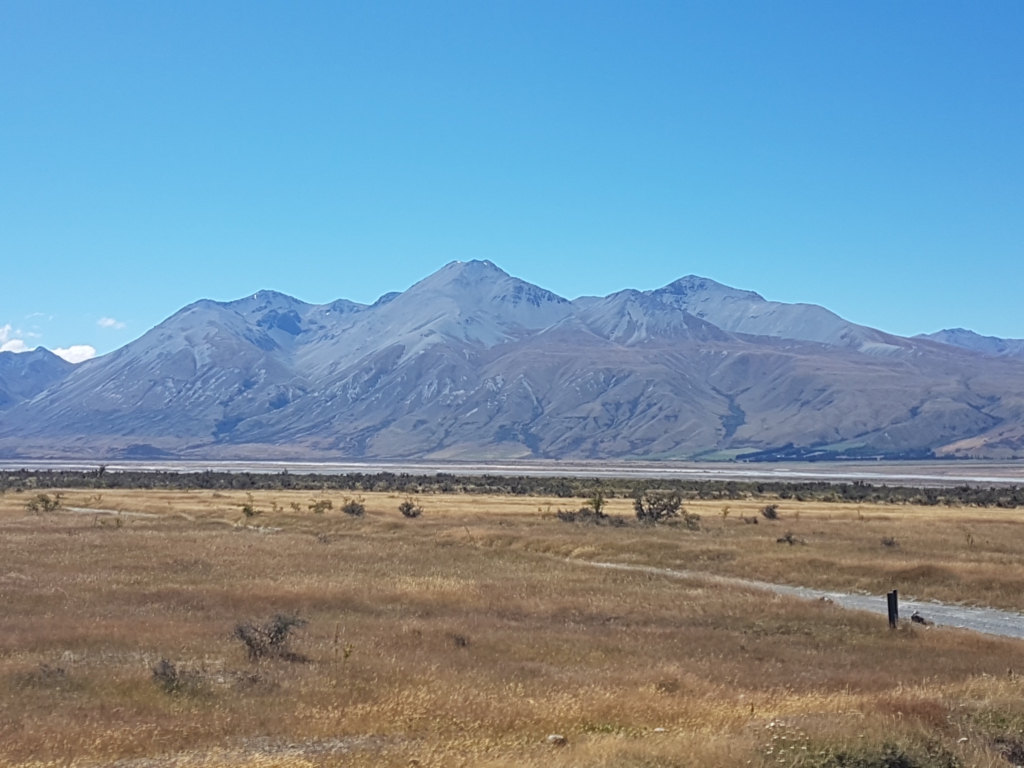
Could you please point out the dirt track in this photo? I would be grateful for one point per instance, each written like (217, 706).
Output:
(988, 620)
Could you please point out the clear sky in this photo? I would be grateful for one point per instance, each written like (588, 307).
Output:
(867, 156)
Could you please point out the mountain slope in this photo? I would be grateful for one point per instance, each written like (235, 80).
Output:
(189, 378)
(474, 363)
(472, 303)
(634, 317)
(24, 375)
(747, 312)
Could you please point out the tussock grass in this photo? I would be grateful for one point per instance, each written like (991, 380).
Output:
(633, 668)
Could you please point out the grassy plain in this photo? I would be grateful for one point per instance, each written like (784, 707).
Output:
(468, 635)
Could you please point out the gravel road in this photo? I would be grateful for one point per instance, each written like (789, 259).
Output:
(988, 620)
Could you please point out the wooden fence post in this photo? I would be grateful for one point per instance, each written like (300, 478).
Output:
(894, 609)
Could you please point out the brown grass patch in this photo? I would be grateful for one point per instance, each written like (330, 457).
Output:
(466, 637)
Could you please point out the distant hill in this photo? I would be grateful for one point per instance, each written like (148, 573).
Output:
(472, 363)
(26, 374)
(986, 345)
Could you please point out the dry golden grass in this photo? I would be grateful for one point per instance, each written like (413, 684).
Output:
(466, 636)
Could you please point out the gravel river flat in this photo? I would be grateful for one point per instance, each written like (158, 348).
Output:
(909, 473)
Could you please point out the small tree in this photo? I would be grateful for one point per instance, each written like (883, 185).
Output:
(410, 509)
(596, 502)
(655, 506)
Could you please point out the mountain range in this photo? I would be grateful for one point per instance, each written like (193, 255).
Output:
(472, 363)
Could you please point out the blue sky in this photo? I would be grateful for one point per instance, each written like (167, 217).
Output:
(865, 156)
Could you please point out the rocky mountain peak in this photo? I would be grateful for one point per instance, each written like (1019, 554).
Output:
(482, 291)
(696, 287)
(986, 345)
(265, 301)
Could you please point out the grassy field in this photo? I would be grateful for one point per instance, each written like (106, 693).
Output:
(469, 635)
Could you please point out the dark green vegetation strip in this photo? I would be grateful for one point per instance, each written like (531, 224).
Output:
(563, 487)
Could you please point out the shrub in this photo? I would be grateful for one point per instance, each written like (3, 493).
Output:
(659, 506)
(567, 515)
(770, 512)
(354, 507)
(269, 639)
(248, 509)
(410, 509)
(656, 506)
(172, 679)
(790, 539)
(321, 506)
(690, 519)
(888, 756)
(588, 516)
(45, 676)
(43, 502)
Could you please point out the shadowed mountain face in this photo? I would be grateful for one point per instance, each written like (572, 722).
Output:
(471, 363)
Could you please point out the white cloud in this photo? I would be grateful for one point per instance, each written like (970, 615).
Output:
(7, 344)
(76, 353)
(15, 345)
(109, 322)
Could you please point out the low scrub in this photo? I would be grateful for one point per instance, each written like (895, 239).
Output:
(660, 506)
(888, 756)
(320, 506)
(354, 507)
(410, 509)
(43, 502)
(172, 679)
(269, 639)
(588, 516)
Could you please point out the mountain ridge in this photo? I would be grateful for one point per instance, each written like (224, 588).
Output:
(471, 362)
(986, 345)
